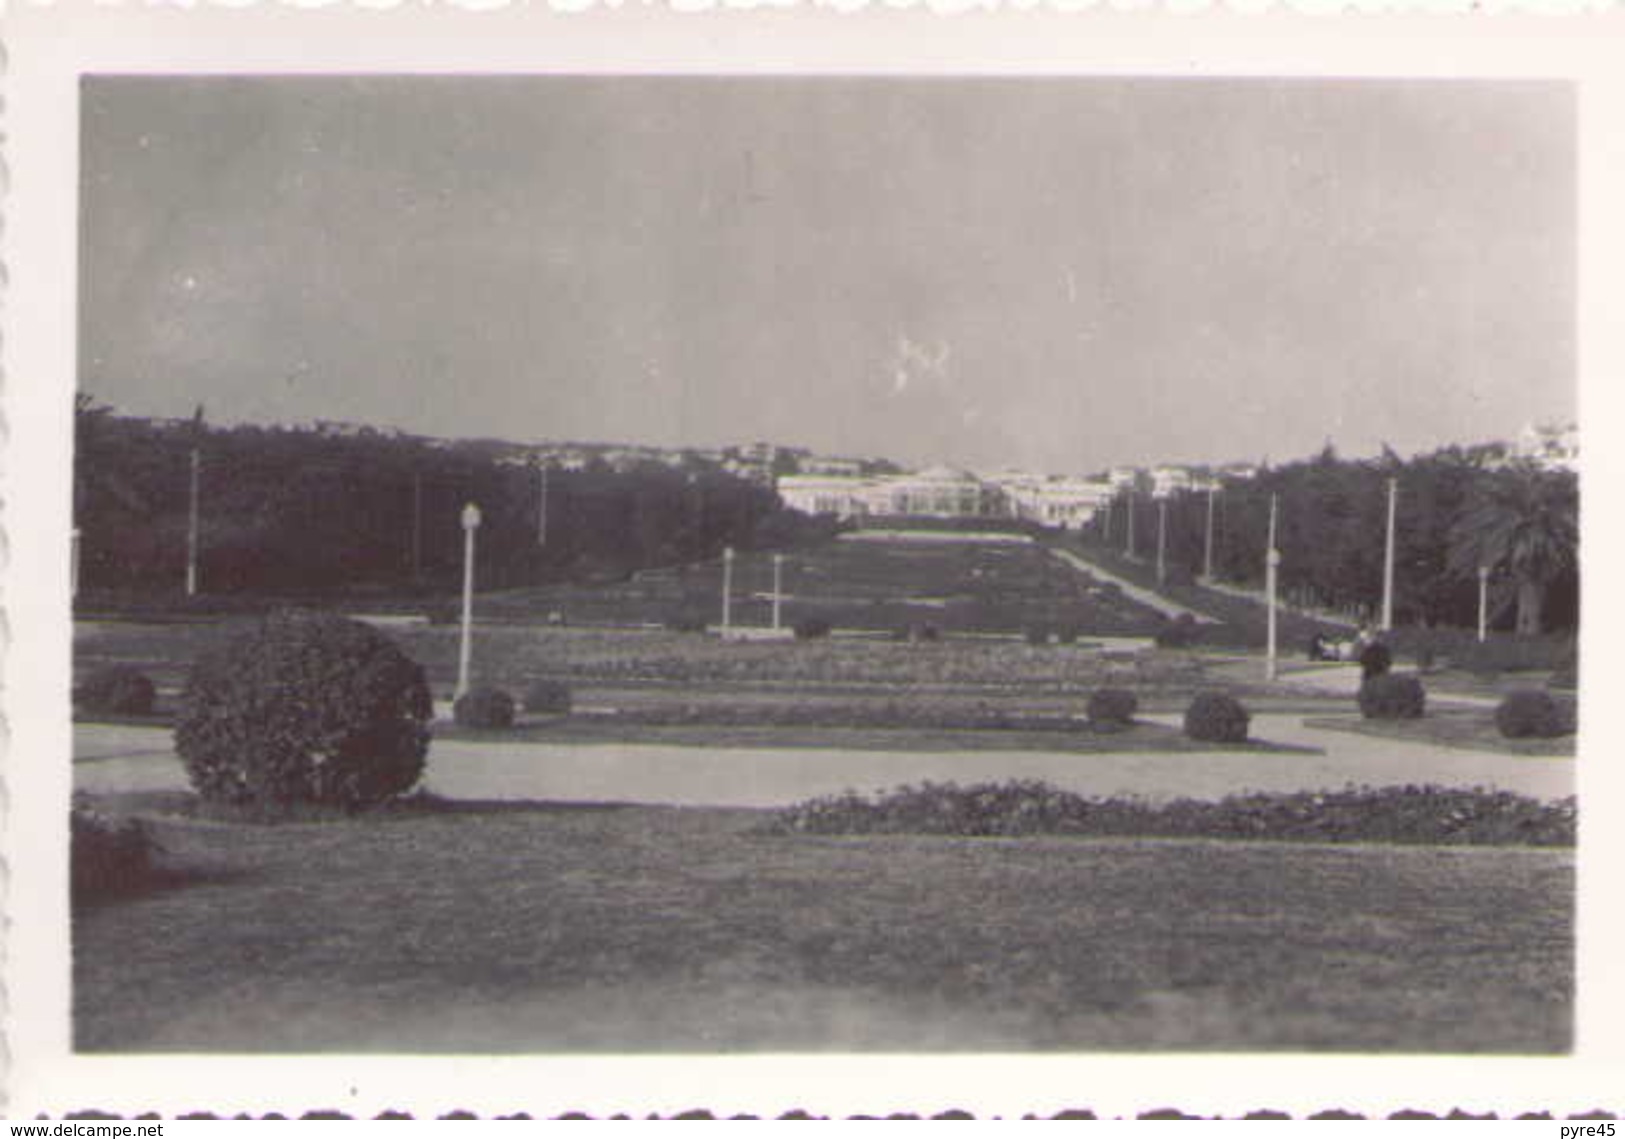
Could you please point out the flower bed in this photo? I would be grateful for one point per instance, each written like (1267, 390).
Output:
(1409, 814)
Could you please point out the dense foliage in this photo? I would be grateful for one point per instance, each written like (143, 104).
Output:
(308, 708)
(1217, 717)
(293, 510)
(115, 690)
(1408, 814)
(1458, 509)
(1388, 696)
(483, 707)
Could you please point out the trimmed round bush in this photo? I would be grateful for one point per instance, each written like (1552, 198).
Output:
(1180, 633)
(483, 707)
(1112, 707)
(1529, 713)
(308, 708)
(118, 690)
(549, 696)
(1217, 717)
(1390, 697)
(1375, 660)
(812, 629)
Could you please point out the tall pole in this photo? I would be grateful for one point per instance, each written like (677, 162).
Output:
(1207, 544)
(727, 587)
(471, 523)
(1272, 565)
(1388, 560)
(417, 525)
(192, 529)
(73, 563)
(1483, 603)
(1130, 546)
(778, 587)
(541, 511)
(1110, 502)
(1162, 539)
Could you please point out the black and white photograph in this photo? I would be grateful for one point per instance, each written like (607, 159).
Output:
(737, 564)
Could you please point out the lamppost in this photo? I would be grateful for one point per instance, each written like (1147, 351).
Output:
(192, 527)
(1483, 603)
(1388, 560)
(727, 587)
(778, 587)
(1162, 538)
(1272, 569)
(471, 523)
(1207, 544)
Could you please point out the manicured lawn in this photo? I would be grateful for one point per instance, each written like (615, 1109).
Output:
(549, 928)
(854, 585)
(1470, 729)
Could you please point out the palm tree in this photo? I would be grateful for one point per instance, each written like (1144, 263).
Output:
(1524, 522)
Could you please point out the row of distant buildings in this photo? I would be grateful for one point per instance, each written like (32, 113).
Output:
(852, 489)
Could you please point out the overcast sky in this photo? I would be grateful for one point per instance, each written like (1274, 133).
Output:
(1059, 274)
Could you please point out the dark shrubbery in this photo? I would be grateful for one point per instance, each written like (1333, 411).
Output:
(116, 690)
(1529, 713)
(309, 708)
(1037, 634)
(551, 697)
(1429, 815)
(1112, 707)
(1567, 673)
(812, 629)
(685, 623)
(1180, 633)
(1068, 634)
(107, 857)
(1390, 697)
(483, 707)
(1217, 717)
(924, 633)
(1375, 660)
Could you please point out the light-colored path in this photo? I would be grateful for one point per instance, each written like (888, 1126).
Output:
(139, 759)
(1146, 597)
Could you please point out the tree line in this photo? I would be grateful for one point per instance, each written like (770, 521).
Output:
(1458, 509)
(310, 509)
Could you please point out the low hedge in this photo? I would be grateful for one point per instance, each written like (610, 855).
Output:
(548, 697)
(1112, 707)
(484, 707)
(107, 857)
(1392, 697)
(116, 690)
(1402, 815)
(1180, 633)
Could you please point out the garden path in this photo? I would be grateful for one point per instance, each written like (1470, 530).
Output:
(111, 758)
(1146, 597)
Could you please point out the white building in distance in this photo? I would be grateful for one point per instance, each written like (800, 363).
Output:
(947, 492)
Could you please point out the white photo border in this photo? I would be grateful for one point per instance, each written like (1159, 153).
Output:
(49, 47)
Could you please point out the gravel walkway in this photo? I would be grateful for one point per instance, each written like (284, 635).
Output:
(113, 758)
